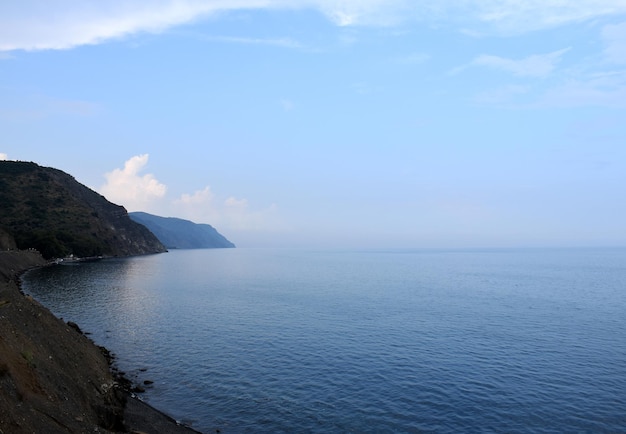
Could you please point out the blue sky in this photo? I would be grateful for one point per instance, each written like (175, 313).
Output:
(329, 123)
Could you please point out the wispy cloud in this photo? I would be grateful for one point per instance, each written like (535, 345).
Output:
(277, 42)
(596, 81)
(232, 214)
(614, 36)
(128, 187)
(367, 12)
(64, 24)
(600, 90)
(241, 217)
(514, 16)
(537, 65)
(3, 156)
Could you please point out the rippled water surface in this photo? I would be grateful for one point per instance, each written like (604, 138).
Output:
(255, 340)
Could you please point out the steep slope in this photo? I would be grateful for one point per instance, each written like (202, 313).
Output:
(47, 209)
(52, 379)
(177, 233)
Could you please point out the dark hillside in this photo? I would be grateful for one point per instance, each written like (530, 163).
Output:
(177, 233)
(53, 379)
(47, 209)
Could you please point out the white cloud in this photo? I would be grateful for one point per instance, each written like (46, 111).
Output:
(63, 24)
(230, 214)
(199, 197)
(199, 207)
(234, 203)
(128, 188)
(137, 192)
(240, 217)
(365, 12)
(537, 65)
(3, 156)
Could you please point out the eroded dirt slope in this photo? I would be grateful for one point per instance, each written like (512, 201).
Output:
(52, 378)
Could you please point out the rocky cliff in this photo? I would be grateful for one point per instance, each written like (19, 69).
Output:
(47, 209)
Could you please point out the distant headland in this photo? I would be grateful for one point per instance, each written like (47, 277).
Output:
(48, 210)
(177, 233)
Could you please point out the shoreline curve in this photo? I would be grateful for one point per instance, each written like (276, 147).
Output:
(53, 378)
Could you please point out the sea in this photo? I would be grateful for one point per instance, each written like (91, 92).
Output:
(361, 341)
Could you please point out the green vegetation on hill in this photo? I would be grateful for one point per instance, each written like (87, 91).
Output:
(177, 233)
(48, 210)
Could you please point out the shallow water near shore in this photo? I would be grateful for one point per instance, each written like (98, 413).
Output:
(250, 340)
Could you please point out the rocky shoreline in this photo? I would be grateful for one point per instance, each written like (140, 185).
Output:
(54, 379)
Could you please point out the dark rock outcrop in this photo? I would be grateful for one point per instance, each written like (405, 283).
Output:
(47, 209)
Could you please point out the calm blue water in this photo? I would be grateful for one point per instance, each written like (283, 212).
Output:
(247, 340)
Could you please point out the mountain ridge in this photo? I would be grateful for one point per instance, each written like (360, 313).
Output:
(177, 233)
(48, 210)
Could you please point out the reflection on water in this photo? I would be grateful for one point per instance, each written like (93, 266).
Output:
(109, 298)
(246, 340)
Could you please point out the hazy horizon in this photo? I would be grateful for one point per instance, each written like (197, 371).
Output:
(322, 123)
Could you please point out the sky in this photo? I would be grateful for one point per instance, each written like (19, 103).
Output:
(332, 123)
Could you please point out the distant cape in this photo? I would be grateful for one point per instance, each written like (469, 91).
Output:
(177, 233)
